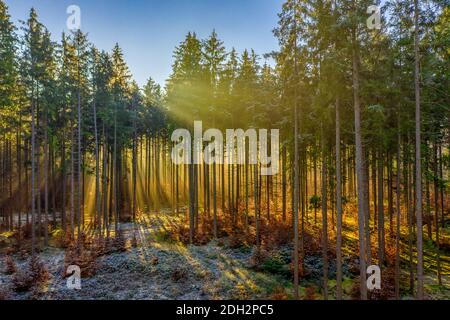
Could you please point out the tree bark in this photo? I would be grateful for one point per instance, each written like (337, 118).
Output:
(359, 168)
(338, 205)
(418, 156)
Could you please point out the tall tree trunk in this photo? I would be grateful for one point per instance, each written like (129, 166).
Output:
(64, 182)
(72, 183)
(114, 176)
(429, 217)
(418, 156)
(374, 189)
(390, 194)
(134, 166)
(27, 180)
(338, 206)
(436, 213)
(105, 225)
(97, 172)
(191, 203)
(315, 181)
(223, 187)
(324, 217)
(33, 178)
(409, 199)
(359, 169)
(380, 211)
(19, 172)
(398, 204)
(38, 169)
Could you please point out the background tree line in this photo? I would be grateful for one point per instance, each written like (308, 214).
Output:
(363, 117)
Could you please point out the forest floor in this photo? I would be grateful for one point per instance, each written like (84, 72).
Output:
(156, 267)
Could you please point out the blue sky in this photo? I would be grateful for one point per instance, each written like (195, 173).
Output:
(149, 30)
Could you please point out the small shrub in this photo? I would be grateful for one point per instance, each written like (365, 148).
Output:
(387, 290)
(310, 293)
(181, 233)
(236, 241)
(311, 244)
(83, 239)
(164, 236)
(345, 200)
(26, 231)
(179, 274)
(279, 294)
(301, 270)
(83, 258)
(314, 202)
(154, 261)
(203, 236)
(10, 265)
(38, 270)
(23, 254)
(63, 239)
(126, 218)
(354, 268)
(273, 264)
(356, 291)
(276, 235)
(258, 257)
(22, 281)
(33, 275)
(120, 243)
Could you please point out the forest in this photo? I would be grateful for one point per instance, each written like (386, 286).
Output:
(87, 177)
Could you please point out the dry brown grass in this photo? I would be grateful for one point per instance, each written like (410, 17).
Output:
(279, 294)
(310, 294)
(10, 265)
(77, 254)
(4, 294)
(179, 274)
(258, 257)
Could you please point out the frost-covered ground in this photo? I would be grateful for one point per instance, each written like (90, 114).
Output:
(161, 269)
(155, 269)
(153, 273)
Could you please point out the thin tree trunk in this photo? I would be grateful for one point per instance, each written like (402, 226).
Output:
(324, 218)
(436, 214)
(338, 206)
(397, 236)
(79, 183)
(442, 189)
(215, 199)
(380, 211)
(97, 171)
(296, 166)
(258, 240)
(359, 169)
(46, 160)
(33, 186)
(284, 182)
(418, 156)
